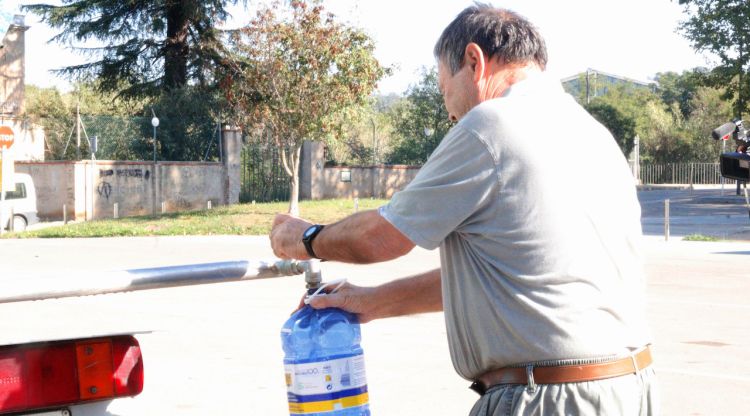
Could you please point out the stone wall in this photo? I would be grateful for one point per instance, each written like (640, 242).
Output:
(90, 189)
(318, 181)
(380, 181)
(54, 186)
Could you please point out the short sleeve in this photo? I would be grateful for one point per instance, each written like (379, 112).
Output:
(459, 178)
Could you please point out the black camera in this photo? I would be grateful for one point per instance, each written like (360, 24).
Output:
(734, 165)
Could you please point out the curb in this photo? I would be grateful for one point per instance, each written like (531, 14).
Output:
(683, 187)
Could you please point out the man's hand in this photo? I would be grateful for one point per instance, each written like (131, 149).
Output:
(416, 294)
(361, 301)
(286, 237)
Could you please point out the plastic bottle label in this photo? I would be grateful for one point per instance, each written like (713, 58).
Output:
(325, 386)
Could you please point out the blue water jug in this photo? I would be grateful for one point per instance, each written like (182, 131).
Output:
(324, 363)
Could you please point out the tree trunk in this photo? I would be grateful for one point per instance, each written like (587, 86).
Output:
(291, 165)
(294, 191)
(176, 45)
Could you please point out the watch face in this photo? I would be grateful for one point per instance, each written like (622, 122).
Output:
(310, 231)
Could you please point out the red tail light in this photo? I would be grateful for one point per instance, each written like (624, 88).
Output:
(60, 373)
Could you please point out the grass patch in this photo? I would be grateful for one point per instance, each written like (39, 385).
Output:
(241, 219)
(700, 237)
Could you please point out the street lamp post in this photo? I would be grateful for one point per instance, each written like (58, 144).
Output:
(155, 123)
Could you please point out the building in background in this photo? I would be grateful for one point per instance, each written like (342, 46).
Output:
(29, 139)
(592, 83)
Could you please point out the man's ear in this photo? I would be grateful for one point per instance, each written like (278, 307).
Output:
(474, 57)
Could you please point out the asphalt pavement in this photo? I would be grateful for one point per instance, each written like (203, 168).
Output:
(215, 349)
(708, 211)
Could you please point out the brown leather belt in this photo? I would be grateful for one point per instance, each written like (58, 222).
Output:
(564, 374)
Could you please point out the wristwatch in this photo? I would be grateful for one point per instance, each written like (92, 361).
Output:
(308, 236)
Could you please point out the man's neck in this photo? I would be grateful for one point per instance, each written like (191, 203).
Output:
(501, 77)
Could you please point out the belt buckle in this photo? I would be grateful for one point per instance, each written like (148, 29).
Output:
(478, 387)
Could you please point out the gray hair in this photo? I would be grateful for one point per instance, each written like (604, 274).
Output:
(498, 32)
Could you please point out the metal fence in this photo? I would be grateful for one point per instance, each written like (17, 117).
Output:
(131, 138)
(263, 178)
(682, 173)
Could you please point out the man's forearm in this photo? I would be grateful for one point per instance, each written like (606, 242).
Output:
(365, 237)
(416, 294)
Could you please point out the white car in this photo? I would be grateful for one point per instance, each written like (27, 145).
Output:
(21, 200)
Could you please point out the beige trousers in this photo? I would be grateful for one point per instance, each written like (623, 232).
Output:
(631, 395)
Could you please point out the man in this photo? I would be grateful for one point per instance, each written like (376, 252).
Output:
(540, 280)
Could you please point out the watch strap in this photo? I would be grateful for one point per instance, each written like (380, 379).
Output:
(308, 238)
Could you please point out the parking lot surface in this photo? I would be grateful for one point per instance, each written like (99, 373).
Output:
(708, 211)
(215, 349)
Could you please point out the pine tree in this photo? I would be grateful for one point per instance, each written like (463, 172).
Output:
(146, 47)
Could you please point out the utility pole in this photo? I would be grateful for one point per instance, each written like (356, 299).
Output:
(78, 130)
(374, 144)
(588, 91)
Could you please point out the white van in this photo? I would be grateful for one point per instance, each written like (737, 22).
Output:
(22, 201)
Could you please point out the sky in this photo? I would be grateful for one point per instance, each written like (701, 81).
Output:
(632, 38)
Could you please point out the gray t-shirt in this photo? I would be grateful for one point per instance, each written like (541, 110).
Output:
(535, 212)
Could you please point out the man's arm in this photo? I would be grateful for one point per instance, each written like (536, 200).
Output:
(365, 237)
(416, 294)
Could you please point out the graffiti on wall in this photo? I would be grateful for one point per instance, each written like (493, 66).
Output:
(104, 189)
(133, 173)
(126, 173)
